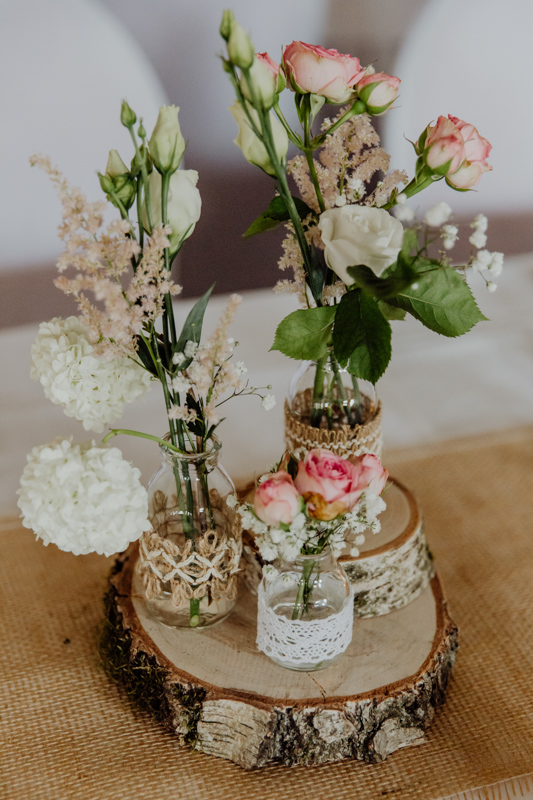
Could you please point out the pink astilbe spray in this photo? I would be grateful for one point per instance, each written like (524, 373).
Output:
(101, 255)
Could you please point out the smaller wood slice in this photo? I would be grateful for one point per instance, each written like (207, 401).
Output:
(220, 695)
(394, 566)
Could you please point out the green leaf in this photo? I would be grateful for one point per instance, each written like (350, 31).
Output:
(410, 242)
(442, 301)
(390, 312)
(316, 276)
(305, 334)
(397, 277)
(144, 356)
(362, 336)
(276, 213)
(192, 329)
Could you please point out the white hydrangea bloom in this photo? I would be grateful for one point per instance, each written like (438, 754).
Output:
(91, 389)
(83, 498)
(438, 215)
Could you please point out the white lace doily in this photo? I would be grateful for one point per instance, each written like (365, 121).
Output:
(298, 642)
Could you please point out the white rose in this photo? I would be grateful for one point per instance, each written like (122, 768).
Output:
(183, 208)
(355, 235)
(252, 147)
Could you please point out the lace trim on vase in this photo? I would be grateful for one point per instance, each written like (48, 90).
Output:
(298, 642)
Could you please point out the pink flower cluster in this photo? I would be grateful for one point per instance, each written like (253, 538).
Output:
(455, 149)
(329, 486)
(312, 69)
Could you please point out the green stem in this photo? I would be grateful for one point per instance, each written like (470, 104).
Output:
(304, 591)
(358, 108)
(317, 402)
(308, 150)
(141, 159)
(127, 432)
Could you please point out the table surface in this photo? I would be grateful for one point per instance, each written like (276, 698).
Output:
(435, 389)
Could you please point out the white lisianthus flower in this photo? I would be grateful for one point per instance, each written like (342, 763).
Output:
(438, 215)
(184, 205)
(167, 144)
(83, 498)
(90, 388)
(355, 235)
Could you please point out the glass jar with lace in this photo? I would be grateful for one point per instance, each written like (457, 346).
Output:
(305, 612)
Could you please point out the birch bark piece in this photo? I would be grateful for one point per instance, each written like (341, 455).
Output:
(221, 696)
(394, 566)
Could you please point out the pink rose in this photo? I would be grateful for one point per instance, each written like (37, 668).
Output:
(444, 147)
(276, 499)
(455, 149)
(329, 484)
(378, 91)
(477, 150)
(313, 69)
(372, 475)
(269, 63)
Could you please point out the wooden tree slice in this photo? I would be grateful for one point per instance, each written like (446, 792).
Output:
(394, 565)
(220, 695)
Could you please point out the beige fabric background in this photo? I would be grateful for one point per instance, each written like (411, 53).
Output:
(68, 732)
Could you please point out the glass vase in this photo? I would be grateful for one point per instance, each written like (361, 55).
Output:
(328, 407)
(188, 561)
(305, 612)
(324, 395)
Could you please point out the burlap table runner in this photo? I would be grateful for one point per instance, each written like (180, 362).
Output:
(69, 732)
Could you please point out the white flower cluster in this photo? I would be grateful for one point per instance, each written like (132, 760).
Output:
(83, 498)
(287, 542)
(90, 388)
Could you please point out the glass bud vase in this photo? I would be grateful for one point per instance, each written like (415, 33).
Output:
(325, 395)
(328, 407)
(189, 560)
(305, 612)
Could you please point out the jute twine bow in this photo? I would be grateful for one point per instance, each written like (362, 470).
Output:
(192, 569)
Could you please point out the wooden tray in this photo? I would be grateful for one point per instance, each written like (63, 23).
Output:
(221, 696)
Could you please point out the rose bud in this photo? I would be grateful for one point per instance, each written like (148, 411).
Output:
(128, 116)
(263, 76)
(183, 207)
(372, 475)
(167, 144)
(443, 147)
(329, 484)
(276, 500)
(312, 69)
(378, 92)
(252, 147)
(477, 150)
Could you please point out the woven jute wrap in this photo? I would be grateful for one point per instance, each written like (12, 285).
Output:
(185, 568)
(343, 440)
(69, 733)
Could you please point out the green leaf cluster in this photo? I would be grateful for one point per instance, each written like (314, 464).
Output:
(357, 331)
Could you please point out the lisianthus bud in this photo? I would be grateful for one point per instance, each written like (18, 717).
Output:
(378, 92)
(127, 115)
(117, 182)
(115, 165)
(240, 48)
(252, 147)
(183, 207)
(167, 144)
(225, 25)
(263, 77)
